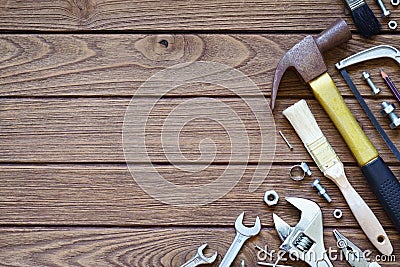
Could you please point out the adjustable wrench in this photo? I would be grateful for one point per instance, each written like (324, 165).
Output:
(305, 240)
(199, 258)
(242, 234)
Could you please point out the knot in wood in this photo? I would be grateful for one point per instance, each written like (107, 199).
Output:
(162, 47)
(83, 10)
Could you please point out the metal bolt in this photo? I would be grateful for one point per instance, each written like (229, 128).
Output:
(385, 11)
(388, 110)
(321, 190)
(367, 77)
(306, 168)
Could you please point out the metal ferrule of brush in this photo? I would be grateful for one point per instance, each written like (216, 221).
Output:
(354, 4)
(322, 153)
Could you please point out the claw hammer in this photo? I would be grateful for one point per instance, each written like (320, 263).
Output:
(307, 60)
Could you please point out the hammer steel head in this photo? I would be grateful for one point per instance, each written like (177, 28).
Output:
(246, 230)
(204, 258)
(306, 57)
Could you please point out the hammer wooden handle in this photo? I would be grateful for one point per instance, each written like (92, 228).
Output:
(363, 214)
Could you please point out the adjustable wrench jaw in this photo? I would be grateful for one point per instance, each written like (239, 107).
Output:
(283, 229)
(305, 240)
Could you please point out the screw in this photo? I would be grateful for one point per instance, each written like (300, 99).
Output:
(385, 11)
(321, 190)
(388, 110)
(367, 77)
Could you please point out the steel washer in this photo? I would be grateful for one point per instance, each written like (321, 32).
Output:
(295, 168)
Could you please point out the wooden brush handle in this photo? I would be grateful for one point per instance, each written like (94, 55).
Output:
(363, 214)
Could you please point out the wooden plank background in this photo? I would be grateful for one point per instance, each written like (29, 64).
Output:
(68, 72)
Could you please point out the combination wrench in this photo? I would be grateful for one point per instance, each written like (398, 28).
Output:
(242, 234)
(199, 258)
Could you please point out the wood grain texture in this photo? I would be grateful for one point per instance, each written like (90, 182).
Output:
(90, 130)
(108, 195)
(167, 247)
(117, 65)
(67, 197)
(64, 15)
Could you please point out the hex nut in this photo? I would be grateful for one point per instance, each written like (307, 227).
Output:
(337, 213)
(387, 110)
(395, 2)
(392, 25)
(395, 123)
(271, 198)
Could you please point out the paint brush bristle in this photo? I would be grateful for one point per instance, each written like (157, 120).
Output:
(364, 19)
(303, 122)
(305, 125)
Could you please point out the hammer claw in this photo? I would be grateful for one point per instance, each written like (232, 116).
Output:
(306, 56)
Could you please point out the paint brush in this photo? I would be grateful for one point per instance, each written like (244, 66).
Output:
(305, 125)
(363, 17)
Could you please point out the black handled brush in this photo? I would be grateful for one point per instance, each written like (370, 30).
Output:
(363, 17)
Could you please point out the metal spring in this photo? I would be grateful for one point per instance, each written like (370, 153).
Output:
(303, 243)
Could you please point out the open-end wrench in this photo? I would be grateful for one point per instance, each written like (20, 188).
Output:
(242, 234)
(305, 240)
(199, 258)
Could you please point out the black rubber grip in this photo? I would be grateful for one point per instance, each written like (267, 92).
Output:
(386, 187)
